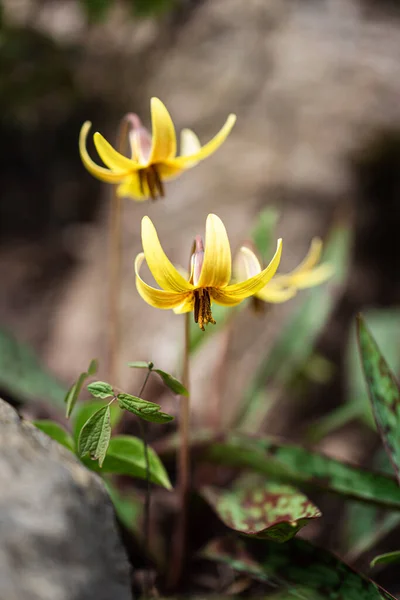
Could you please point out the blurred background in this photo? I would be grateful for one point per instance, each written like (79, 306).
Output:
(316, 87)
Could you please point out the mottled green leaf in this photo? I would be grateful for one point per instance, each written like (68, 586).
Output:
(23, 377)
(95, 435)
(296, 566)
(141, 364)
(296, 464)
(385, 559)
(173, 384)
(143, 409)
(73, 393)
(128, 507)
(100, 389)
(125, 456)
(384, 394)
(56, 432)
(87, 409)
(265, 509)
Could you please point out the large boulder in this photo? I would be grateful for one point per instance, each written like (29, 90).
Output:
(58, 535)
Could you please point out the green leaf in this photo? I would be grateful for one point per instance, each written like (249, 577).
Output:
(173, 384)
(263, 232)
(143, 409)
(95, 435)
(96, 10)
(56, 432)
(128, 507)
(295, 464)
(94, 365)
(125, 456)
(268, 510)
(296, 566)
(384, 394)
(148, 8)
(76, 388)
(100, 389)
(141, 364)
(385, 559)
(86, 410)
(23, 377)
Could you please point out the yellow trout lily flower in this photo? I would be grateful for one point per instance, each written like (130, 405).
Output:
(209, 278)
(283, 287)
(153, 158)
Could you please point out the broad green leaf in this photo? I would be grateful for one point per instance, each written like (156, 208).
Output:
(128, 507)
(173, 384)
(86, 410)
(95, 435)
(76, 388)
(141, 364)
(100, 389)
(56, 432)
(294, 347)
(143, 409)
(384, 394)
(385, 559)
(125, 456)
(296, 566)
(23, 377)
(295, 464)
(268, 510)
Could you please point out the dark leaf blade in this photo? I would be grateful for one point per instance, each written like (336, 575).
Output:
(101, 389)
(55, 432)
(172, 383)
(148, 411)
(385, 559)
(268, 510)
(384, 394)
(95, 435)
(296, 566)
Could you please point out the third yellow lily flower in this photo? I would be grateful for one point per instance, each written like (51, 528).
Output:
(153, 157)
(283, 287)
(210, 275)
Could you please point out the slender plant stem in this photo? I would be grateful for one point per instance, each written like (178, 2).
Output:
(115, 235)
(183, 467)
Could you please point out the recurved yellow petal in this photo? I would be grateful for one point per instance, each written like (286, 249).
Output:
(209, 148)
(131, 188)
(216, 271)
(163, 271)
(95, 170)
(311, 278)
(157, 298)
(110, 157)
(311, 259)
(275, 294)
(186, 306)
(239, 291)
(163, 133)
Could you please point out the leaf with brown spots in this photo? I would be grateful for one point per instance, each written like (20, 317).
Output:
(384, 393)
(297, 567)
(267, 510)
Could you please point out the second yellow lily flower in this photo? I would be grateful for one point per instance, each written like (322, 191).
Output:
(153, 157)
(209, 278)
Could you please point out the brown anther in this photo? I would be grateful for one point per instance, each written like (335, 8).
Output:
(202, 308)
(151, 176)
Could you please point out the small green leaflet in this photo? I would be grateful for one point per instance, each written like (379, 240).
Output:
(385, 559)
(100, 389)
(86, 410)
(74, 391)
(141, 364)
(56, 432)
(95, 435)
(143, 409)
(173, 384)
(384, 394)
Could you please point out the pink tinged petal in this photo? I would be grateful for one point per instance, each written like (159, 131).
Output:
(140, 140)
(162, 299)
(163, 271)
(163, 133)
(110, 157)
(246, 264)
(216, 271)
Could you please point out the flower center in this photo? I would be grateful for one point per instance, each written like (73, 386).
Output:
(202, 308)
(151, 176)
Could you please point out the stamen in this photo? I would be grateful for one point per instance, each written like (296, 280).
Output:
(202, 308)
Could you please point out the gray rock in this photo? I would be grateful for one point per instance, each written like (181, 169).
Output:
(58, 536)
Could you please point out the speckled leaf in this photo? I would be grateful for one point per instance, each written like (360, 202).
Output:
(87, 409)
(149, 411)
(95, 435)
(384, 394)
(100, 389)
(297, 566)
(296, 464)
(268, 510)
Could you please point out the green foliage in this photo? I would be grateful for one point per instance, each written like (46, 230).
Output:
(267, 510)
(86, 410)
(264, 231)
(95, 435)
(56, 432)
(100, 389)
(384, 559)
(297, 566)
(73, 393)
(173, 384)
(128, 507)
(97, 10)
(141, 364)
(384, 394)
(143, 408)
(148, 8)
